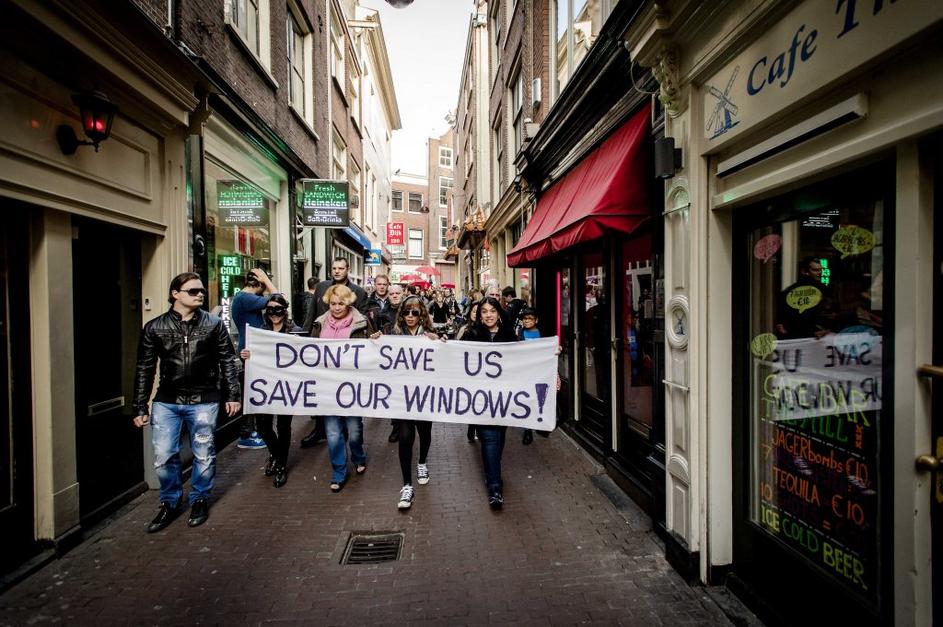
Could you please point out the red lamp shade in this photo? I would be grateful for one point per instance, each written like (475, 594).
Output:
(97, 114)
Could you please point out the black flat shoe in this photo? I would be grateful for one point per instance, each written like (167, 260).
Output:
(270, 466)
(394, 435)
(281, 476)
(199, 512)
(528, 437)
(165, 515)
(312, 438)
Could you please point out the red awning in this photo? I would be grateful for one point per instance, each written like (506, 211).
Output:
(605, 193)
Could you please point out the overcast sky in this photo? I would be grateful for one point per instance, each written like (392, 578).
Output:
(426, 45)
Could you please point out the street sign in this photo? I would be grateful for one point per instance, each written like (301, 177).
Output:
(395, 233)
(373, 257)
(325, 203)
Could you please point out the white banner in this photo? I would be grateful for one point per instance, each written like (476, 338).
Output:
(511, 384)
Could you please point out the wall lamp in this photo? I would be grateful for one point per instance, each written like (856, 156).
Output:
(667, 158)
(97, 113)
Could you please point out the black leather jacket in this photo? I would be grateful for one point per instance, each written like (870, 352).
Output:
(197, 358)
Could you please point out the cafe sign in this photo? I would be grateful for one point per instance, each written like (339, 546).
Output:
(395, 233)
(241, 204)
(816, 43)
(325, 203)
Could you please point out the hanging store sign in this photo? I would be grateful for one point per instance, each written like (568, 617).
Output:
(395, 233)
(812, 46)
(325, 203)
(240, 203)
(373, 257)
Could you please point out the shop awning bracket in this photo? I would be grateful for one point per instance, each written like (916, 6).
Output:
(677, 386)
(668, 212)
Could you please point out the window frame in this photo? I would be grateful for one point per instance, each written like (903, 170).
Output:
(448, 157)
(443, 232)
(339, 169)
(447, 190)
(295, 31)
(409, 242)
(337, 54)
(409, 200)
(401, 198)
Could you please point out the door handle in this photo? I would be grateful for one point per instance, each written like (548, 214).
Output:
(928, 463)
(928, 370)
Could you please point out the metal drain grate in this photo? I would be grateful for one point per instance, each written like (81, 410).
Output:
(373, 548)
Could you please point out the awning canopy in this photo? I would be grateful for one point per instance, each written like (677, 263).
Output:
(354, 232)
(606, 192)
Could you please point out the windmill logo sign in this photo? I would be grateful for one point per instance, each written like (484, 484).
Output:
(722, 119)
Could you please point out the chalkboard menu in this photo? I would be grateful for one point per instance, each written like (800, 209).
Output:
(325, 203)
(241, 203)
(816, 388)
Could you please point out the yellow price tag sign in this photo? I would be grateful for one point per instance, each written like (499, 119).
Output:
(763, 345)
(852, 240)
(804, 297)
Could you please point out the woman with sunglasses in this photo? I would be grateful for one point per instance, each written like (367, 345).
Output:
(491, 327)
(275, 318)
(412, 318)
(340, 322)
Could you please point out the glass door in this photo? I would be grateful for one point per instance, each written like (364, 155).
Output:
(814, 341)
(595, 356)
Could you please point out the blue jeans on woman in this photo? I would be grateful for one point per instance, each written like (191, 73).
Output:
(337, 445)
(167, 419)
(492, 446)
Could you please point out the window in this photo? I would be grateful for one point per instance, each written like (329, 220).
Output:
(374, 201)
(339, 158)
(397, 201)
(415, 202)
(245, 18)
(577, 26)
(443, 232)
(445, 188)
(415, 244)
(445, 157)
(296, 64)
(337, 51)
(498, 148)
(517, 106)
(355, 190)
(495, 27)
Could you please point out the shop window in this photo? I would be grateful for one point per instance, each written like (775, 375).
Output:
(238, 224)
(638, 333)
(815, 275)
(415, 244)
(594, 322)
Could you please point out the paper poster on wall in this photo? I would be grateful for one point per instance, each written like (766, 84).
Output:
(325, 203)
(240, 203)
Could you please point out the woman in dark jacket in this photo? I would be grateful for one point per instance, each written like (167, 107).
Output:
(491, 328)
(275, 318)
(412, 318)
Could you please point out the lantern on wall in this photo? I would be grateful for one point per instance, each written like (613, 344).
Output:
(97, 113)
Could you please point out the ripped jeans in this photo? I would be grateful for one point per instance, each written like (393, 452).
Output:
(167, 420)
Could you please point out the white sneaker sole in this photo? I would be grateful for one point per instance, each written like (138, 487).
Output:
(404, 505)
(423, 481)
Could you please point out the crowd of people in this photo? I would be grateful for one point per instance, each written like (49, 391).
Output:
(200, 372)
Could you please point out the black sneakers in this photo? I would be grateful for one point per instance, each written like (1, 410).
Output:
(165, 515)
(270, 466)
(199, 512)
(495, 500)
(281, 476)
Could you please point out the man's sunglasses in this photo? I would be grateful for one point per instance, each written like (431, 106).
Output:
(195, 291)
(413, 312)
(275, 311)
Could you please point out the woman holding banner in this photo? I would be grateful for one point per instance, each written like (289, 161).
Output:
(491, 328)
(275, 318)
(412, 318)
(466, 329)
(340, 322)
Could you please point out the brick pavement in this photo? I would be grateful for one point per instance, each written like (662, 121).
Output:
(559, 553)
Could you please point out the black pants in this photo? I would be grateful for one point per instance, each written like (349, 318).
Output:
(407, 435)
(277, 443)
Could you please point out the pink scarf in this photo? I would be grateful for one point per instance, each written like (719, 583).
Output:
(338, 329)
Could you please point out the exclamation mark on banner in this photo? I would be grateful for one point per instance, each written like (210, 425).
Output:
(541, 389)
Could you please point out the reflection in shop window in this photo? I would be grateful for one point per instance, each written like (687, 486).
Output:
(816, 384)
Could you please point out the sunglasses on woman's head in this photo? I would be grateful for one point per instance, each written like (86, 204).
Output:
(275, 311)
(195, 291)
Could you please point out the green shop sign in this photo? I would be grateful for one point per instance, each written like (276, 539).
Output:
(240, 203)
(325, 203)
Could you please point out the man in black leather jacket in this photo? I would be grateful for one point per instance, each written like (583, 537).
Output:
(197, 370)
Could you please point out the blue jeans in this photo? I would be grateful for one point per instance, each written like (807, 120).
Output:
(492, 446)
(337, 446)
(167, 420)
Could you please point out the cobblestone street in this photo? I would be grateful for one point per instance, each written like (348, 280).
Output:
(559, 552)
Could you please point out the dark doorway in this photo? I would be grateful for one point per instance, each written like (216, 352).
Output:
(106, 266)
(593, 311)
(16, 417)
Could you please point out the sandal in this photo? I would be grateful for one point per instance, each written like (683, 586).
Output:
(362, 468)
(337, 486)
